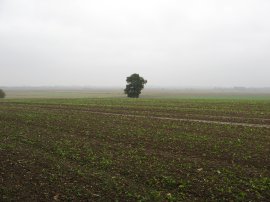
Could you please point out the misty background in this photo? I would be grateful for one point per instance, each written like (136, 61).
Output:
(170, 43)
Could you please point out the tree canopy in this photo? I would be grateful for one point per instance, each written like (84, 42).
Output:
(134, 86)
(2, 94)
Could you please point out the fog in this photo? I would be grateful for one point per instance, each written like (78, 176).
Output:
(189, 43)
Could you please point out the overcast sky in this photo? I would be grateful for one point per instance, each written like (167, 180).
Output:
(171, 43)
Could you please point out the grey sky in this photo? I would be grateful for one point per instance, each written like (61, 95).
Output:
(170, 42)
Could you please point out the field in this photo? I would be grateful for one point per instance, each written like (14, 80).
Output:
(119, 149)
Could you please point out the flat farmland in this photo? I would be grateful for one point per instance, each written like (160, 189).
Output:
(119, 149)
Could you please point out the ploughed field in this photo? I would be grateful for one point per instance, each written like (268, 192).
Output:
(134, 149)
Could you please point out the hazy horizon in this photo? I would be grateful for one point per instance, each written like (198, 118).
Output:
(172, 44)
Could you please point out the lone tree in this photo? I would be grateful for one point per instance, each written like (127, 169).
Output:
(134, 86)
(2, 94)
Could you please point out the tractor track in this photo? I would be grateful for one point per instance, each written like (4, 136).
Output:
(255, 125)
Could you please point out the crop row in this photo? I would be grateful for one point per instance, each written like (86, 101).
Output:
(72, 154)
